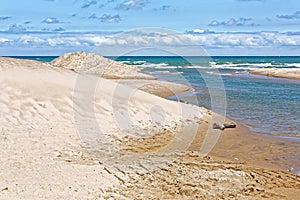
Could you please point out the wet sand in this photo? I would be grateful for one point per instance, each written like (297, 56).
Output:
(271, 152)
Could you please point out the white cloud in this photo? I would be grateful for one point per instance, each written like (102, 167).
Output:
(198, 30)
(295, 15)
(15, 28)
(4, 40)
(67, 41)
(60, 29)
(214, 23)
(30, 40)
(88, 3)
(56, 41)
(144, 39)
(93, 40)
(242, 21)
(247, 40)
(132, 4)
(110, 18)
(227, 41)
(51, 20)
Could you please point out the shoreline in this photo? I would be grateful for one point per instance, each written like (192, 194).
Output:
(46, 153)
(240, 144)
(255, 143)
(184, 94)
(256, 149)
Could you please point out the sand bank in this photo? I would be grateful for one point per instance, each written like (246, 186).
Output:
(50, 147)
(129, 75)
(97, 65)
(290, 73)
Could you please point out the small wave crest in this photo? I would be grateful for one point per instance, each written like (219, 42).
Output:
(243, 66)
(252, 66)
(138, 62)
(165, 72)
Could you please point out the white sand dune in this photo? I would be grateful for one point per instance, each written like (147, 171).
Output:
(98, 65)
(38, 128)
(125, 74)
(57, 127)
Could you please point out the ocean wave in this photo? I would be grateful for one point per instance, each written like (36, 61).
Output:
(215, 65)
(137, 62)
(166, 66)
(294, 65)
(230, 65)
(165, 72)
(159, 65)
(125, 61)
(219, 74)
(251, 66)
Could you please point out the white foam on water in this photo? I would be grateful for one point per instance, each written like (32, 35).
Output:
(293, 65)
(213, 65)
(165, 72)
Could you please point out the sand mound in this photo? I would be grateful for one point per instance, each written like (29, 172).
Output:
(290, 73)
(12, 63)
(130, 75)
(95, 64)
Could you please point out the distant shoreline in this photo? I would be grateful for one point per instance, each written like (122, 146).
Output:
(289, 73)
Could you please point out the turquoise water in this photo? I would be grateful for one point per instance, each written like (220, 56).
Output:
(266, 105)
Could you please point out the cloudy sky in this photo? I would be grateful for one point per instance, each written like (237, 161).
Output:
(221, 27)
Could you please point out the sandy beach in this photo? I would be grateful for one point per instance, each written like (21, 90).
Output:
(86, 127)
(290, 73)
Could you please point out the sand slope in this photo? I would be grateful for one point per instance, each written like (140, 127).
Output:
(290, 73)
(41, 153)
(125, 74)
(95, 64)
(50, 147)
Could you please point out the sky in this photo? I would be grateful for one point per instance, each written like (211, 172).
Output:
(220, 27)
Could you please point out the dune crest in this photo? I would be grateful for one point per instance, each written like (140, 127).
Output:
(98, 65)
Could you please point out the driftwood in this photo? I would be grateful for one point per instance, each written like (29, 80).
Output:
(224, 125)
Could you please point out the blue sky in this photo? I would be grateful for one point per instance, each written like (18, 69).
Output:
(222, 27)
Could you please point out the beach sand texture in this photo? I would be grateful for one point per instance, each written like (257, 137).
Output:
(290, 73)
(49, 151)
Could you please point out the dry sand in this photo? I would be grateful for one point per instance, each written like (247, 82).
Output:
(290, 73)
(159, 88)
(94, 64)
(51, 148)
